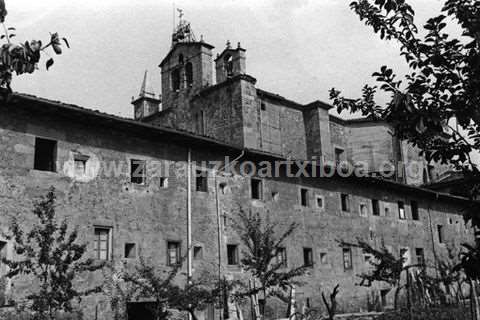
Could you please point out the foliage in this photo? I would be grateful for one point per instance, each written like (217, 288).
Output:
(160, 285)
(262, 244)
(385, 266)
(437, 313)
(443, 82)
(51, 254)
(23, 58)
(435, 106)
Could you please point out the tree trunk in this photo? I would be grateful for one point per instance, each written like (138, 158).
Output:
(395, 299)
(474, 301)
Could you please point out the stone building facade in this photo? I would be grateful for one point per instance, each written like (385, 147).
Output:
(90, 158)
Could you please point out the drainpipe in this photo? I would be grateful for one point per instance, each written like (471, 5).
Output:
(189, 216)
(219, 219)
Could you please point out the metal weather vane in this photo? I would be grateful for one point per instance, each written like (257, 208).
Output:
(183, 31)
(23, 57)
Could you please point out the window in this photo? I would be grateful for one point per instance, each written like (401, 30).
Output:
(323, 258)
(419, 253)
(308, 257)
(320, 201)
(282, 257)
(363, 210)
(375, 207)
(201, 181)
(387, 212)
(401, 210)
(367, 258)
(200, 122)
(345, 202)
(256, 189)
(414, 206)
(138, 171)
(102, 243)
(347, 259)
(163, 182)
(229, 65)
(197, 252)
(130, 251)
(304, 197)
(275, 196)
(405, 254)
(232, 254)
(175, 78)
(339, 155)
(440, 233)
(263, 107)
(45, 155)
(180, 59)
(173, 253)
(189, 74)
(80, 164)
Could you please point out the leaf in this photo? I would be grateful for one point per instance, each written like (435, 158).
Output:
(11, 28)
(49, 63)
(3, 36)
(66, 42)
(12, 35)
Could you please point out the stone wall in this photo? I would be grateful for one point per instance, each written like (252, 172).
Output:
(149, 215)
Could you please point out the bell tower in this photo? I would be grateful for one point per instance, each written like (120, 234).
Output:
(187, 67)
(147, 103)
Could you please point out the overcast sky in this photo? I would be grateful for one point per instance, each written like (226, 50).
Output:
(299, 49)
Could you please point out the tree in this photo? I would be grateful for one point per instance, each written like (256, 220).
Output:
(385, 266)
(51, 254)
(160, 285)
(436, 106)
(443, 82)
(263, 243)
(22, 58)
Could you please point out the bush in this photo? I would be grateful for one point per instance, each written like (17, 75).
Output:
(434, 313)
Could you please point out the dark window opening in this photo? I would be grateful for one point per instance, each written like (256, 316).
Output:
(347, 258)
(175, 79)
(180, 59)
(102, 245)
(281, 257)
(320, 201)
(197, 252)
(256, 186)
(420, 256)
(339, 155)
(229, 65)
(345, 202)
(173, 253)
(200, 122)
(201, 181)
(414, 206)
(130, 251)
(304, 197)
(375, 207)
(440, 233)
(263, 107)
(45, 154)
(189, 74)
(163, 182)
(232, 254)
(308, 257)
(138, 171)
(401, 210)
(323, 258)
